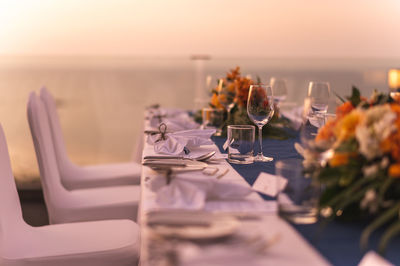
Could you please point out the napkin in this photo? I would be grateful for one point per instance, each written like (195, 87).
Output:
(371, 258)
(175, 120)
(216, 254)
(191, 192)
(175, 143)
(295, 116)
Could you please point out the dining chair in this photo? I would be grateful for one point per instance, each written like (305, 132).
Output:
(77, 177)
(116, 202)
(107, 243)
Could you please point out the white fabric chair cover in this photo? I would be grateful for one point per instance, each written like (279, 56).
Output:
(112, 242)
(77, 177)
(116, 202)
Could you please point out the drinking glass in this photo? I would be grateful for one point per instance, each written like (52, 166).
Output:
(319, 92)
(279, 88)
(260, 109)
(241, 144)
(298, 194)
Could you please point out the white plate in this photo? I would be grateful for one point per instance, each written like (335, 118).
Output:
(193, 225)
(176, 165)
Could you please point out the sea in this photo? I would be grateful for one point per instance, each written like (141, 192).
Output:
(101, 100)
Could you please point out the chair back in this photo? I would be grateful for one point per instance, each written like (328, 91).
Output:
(10, 206)
(41, 135)
(63, 161)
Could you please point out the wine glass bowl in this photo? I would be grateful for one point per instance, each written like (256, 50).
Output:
(226, 94)
(279, 88)
(319, 93)
(260, 109)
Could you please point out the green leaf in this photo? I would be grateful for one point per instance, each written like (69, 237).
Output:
(354, 197)
(378, 222)
(339, 97)
(350, 145)
(392, 231)
(355, 97)
(385, 186)
(347, 192)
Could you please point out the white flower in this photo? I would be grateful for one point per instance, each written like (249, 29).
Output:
(384, 163)
(373, 129)
(370, 170)
(369, 201)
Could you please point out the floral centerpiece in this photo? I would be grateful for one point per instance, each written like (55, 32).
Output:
(356, 157)
(237, 90)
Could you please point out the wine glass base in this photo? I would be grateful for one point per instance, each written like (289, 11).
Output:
(261, 158)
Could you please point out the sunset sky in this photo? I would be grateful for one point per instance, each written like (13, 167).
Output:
(272, 28)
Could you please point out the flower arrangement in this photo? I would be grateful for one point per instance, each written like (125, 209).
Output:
(356, 157)
(237, 89)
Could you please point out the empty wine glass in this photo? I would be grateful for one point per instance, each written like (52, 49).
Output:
(318, 92)
(319, 95)
(309, 126)
(260, 109)
(226, 94)
(279, 88)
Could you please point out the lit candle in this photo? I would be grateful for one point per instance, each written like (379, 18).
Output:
(394, 79)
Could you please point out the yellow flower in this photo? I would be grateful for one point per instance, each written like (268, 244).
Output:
(394, 170)
(346, 127)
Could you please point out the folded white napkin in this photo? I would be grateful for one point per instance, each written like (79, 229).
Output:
(216, 254)
(372, 258)
(175, 143)
(174, 120)
(191, 192)
(294, 115)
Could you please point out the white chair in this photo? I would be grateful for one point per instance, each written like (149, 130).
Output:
(116, 202)
(108, 243)
(77, 177)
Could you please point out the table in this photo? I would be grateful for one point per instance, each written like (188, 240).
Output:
(298, 245)
(289, 250)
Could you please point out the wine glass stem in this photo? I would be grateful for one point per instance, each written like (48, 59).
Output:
(260, 152)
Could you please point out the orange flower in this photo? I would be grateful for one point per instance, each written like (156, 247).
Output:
(242, 93)
(215, 101)
(346, 127)
(344, 109)
(235, 73)
(326, 132)
(394, 170)
(339, 159)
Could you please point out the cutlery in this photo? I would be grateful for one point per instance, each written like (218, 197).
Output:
(164, 163)
(202, 157)
(223, 173)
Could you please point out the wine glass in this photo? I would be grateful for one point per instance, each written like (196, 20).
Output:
(309, 126)
(318, 92)
(226, 94)
(260, 109)
(279, 88)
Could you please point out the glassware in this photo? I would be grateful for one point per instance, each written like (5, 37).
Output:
(310, 124)
(213, 118)
(226, 94)
(241, 144)
(280, 90)
(298, 195)
(260, 109)
(319, 93)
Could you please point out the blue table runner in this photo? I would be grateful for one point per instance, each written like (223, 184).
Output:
(338, 242)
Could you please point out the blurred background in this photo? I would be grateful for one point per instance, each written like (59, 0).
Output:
(104, 61)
